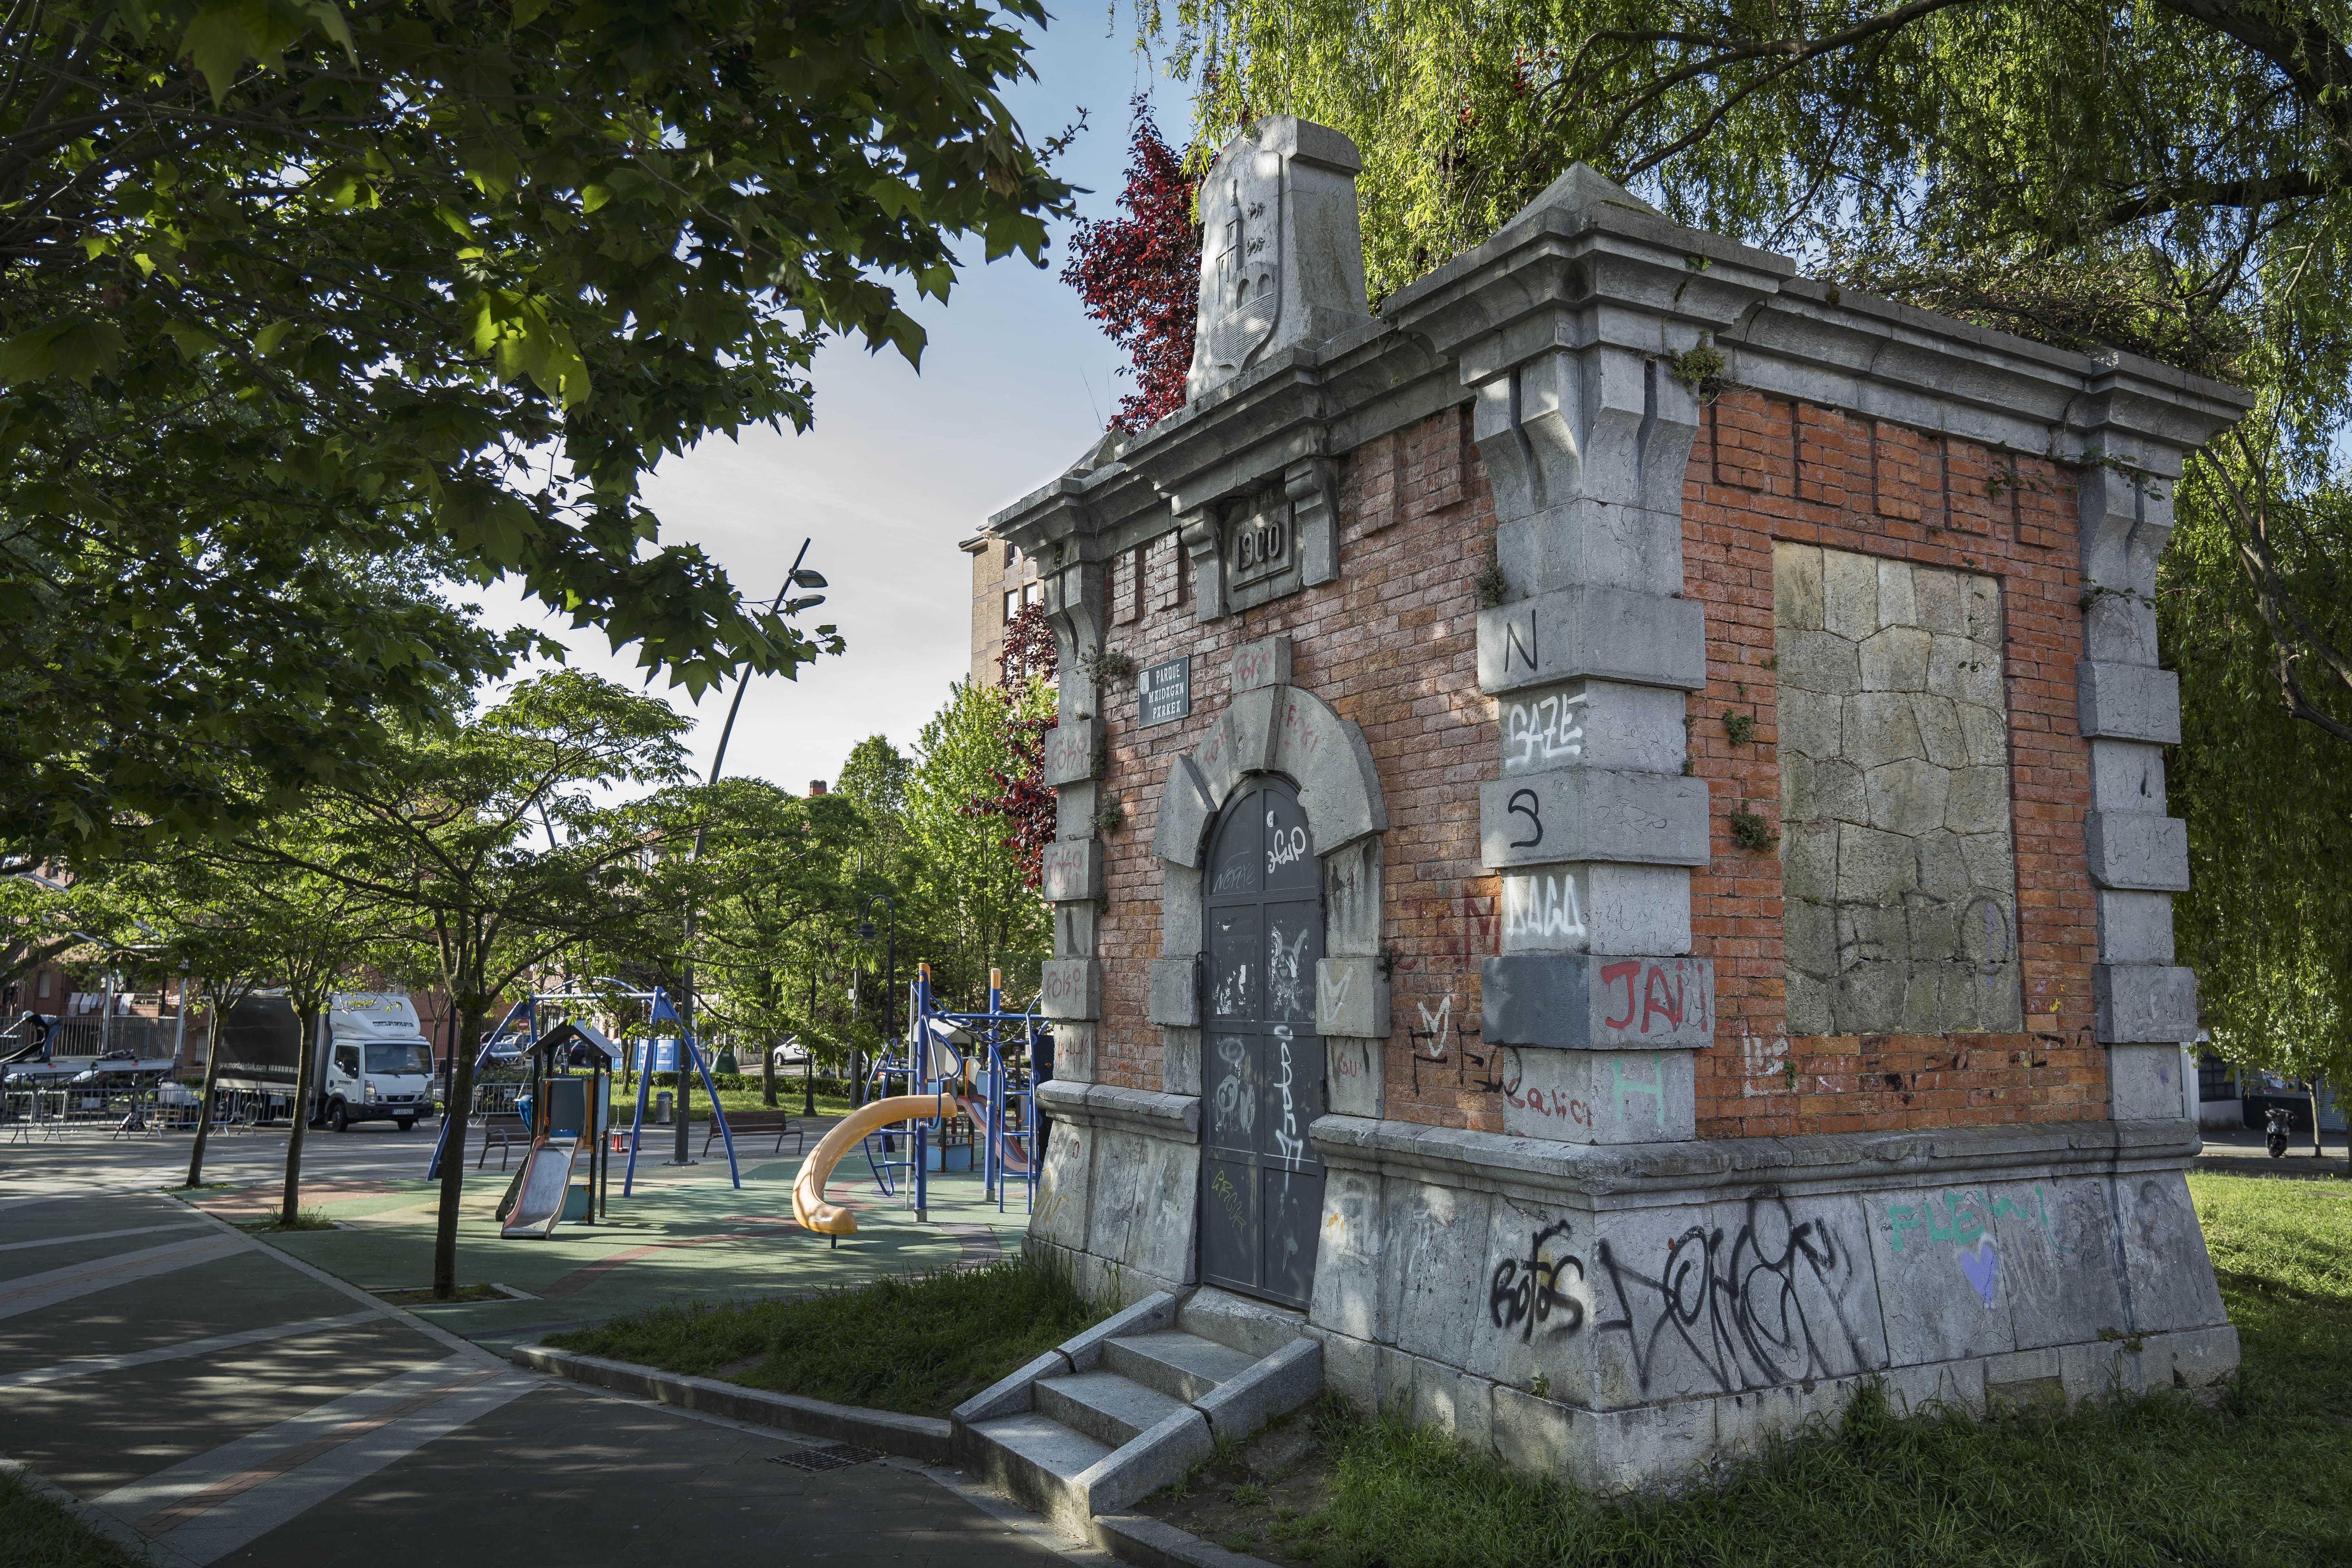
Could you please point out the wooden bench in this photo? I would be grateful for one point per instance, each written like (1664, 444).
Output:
(749, 1123)
(506, 1131)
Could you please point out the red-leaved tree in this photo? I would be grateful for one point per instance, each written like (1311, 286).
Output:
(1024, 802)
(1139, 275)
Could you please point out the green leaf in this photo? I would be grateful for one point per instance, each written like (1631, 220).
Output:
(219, 43)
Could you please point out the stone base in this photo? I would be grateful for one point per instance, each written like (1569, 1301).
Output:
(1118, 1197)
(1615, 1317)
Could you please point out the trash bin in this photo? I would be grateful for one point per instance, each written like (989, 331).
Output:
(661, 1108)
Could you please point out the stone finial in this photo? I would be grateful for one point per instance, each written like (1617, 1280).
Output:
(1282, 258)
(1577, 193)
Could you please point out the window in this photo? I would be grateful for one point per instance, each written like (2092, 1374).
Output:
(1033, 593)
(404, 1057)
(45, 982)
(1011, 604)
(347, 1060)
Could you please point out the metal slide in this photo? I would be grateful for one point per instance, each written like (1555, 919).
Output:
(809, 1207)
(539, 1198)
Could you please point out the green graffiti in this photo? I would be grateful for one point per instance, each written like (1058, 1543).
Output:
(1964, 1218)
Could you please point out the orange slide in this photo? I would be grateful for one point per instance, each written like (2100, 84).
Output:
(809, 1207)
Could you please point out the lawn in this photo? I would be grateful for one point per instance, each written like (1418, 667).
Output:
(36, 1533)
(2263, 1480)
(918, 1343)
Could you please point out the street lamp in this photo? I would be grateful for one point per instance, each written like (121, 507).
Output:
(890, 964)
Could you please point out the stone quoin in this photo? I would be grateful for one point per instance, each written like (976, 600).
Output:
(1655, 910)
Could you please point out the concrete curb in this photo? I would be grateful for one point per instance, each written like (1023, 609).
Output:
(1150, 1542)
(922, 1437)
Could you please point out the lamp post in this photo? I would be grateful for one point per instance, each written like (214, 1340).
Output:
(890, 956)
(793, 579)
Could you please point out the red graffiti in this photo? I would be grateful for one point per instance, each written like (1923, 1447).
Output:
(1295, 723)
(1481, 925)
(1253, 666)
(1548, 1102)
(1654, 992)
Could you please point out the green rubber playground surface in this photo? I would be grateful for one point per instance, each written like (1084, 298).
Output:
(681, 1236)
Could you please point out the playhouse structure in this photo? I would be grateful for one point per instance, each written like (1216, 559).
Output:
(1612, 849)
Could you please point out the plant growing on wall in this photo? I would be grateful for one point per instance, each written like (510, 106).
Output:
(1139, 275)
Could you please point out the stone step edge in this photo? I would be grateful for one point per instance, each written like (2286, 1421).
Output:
(925, 1437)
(1148, 1543)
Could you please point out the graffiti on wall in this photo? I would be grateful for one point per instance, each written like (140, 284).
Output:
(1526, 1294)
(1760, 1303)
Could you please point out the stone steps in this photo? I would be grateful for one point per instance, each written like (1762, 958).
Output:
(1114, 1414)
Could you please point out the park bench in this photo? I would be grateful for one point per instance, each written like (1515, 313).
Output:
(748, 1123)
(506, 1131)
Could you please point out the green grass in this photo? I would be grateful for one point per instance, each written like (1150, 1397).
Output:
(36, 1533)
(918, 1343)
(2261, 1481)
(788, 1100)
(304, 1219)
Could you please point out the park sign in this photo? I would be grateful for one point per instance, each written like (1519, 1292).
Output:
(1164, 692)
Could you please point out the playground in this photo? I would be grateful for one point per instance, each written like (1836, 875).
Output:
(568, 1227)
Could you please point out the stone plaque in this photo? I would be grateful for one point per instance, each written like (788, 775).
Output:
(1259, 545)
(1164, 692)
(1897, 859)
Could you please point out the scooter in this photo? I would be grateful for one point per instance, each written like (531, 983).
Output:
(2274, 1130)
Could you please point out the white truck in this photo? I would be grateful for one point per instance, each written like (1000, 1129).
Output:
(377, 1065)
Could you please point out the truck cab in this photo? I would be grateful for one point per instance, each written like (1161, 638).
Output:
(378, 1064)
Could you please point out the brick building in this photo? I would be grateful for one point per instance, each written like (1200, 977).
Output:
(1613, 850)
(1002, 581)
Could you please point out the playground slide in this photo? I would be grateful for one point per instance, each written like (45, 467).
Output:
(809, 1207)
(1015, 1157)
(538, 1200)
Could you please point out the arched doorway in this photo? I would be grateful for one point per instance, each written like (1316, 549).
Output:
(1262, 1062)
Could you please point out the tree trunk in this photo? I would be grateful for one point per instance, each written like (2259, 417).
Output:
(2311, 1085)
(290, 1206)
(205, 1104)
(453, 1157)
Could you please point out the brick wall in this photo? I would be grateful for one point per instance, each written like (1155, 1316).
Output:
(1391, 646)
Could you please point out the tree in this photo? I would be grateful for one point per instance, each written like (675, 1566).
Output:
(296, 293)
(976, 900)
(449, 843)
(774, 880)
(1023, 802)
(1140, 275)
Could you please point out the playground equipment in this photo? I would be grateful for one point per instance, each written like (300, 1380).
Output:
(955, 1064)
(568, 1114)
(502, 1042)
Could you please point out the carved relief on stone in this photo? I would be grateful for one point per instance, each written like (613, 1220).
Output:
(1282, 262)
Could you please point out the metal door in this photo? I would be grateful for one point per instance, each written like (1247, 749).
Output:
(1262, 1062)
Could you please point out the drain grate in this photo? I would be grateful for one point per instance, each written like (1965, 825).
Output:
(832, 1456)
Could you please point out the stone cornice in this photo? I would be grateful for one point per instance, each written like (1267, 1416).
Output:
(1613, 275)
(1156, 1115)
(1628, 1174)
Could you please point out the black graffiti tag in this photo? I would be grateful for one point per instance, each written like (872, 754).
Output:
(1525, 1291)
(1760, 1306)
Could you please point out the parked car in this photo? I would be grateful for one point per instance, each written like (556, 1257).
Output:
(791, 1054)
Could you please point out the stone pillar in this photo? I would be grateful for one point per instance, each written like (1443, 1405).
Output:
(1588, 649)
(2130, 710)
(1073, 883)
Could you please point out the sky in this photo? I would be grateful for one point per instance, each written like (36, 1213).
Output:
(900, 467)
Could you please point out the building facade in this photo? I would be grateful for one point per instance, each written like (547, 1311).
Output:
(1613, 850)
(1003, 581)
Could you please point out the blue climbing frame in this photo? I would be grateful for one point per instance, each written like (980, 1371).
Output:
(992, 1091)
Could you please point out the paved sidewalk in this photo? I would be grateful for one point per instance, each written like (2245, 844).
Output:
(2241, 1152)
(228, 1401)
